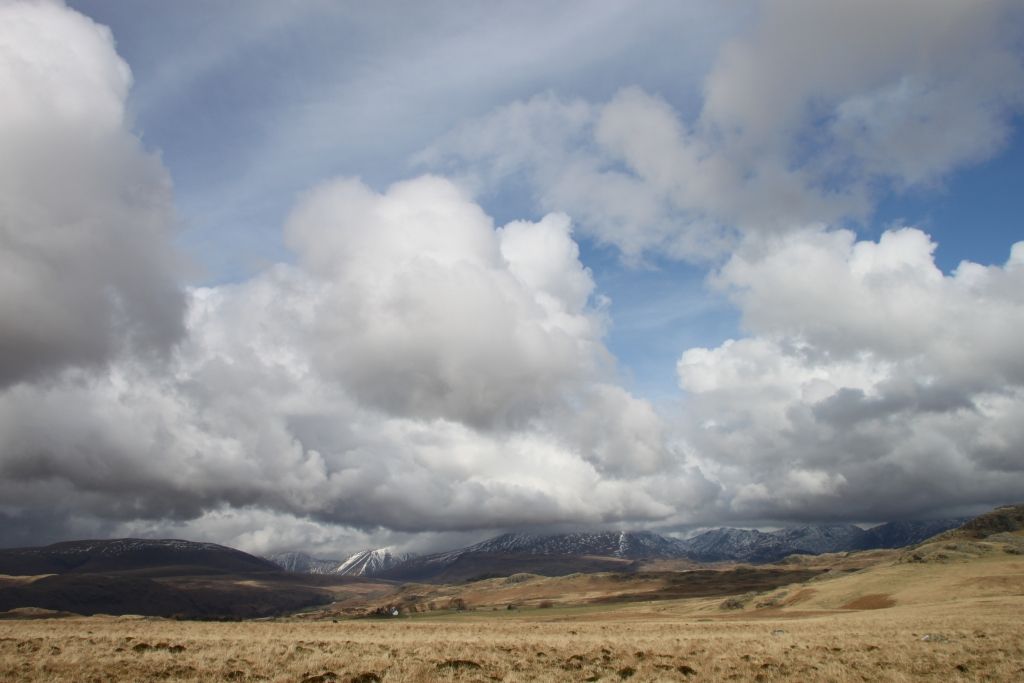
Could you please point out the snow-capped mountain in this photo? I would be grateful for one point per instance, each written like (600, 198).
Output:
(628, 545)
(719, 545)
(303, 564)
(371, 562)
(750, 545)
(363, 563)
(822, 538)
(548, 554)
(555, 554)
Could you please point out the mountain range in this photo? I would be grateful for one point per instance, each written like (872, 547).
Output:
(750, 545)
(362, 563)
(203, 580)
(564, 553)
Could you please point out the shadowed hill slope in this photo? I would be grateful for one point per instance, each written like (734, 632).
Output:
(122, 594)
(131, 554)
(152, 577)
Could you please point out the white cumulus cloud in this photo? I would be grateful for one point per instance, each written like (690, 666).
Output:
(872, 385)
(803, 117)
(417, 369)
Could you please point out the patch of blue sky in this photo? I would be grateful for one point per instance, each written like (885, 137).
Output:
(249, 109)
(657, 311)
(976, 214)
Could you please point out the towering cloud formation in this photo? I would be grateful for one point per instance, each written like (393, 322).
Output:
(894, 389)
(427, 311)
(86, 266)
(416, 369)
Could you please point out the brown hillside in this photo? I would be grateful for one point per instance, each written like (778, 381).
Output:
(1004, 519)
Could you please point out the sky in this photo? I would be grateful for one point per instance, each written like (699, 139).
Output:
(327, 276)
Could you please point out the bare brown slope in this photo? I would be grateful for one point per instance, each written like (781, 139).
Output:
(1004, 519)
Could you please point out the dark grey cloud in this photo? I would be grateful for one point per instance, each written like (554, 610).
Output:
(86, 264)
(849, 407)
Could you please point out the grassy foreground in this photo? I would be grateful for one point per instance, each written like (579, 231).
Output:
(975, 639)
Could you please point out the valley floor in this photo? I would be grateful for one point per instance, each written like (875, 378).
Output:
(962, 640)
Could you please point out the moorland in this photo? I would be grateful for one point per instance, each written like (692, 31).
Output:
(947, 609)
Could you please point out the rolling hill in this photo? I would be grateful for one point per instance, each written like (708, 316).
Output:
(154, 578)
(131, 554)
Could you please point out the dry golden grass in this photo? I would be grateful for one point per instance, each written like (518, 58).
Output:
(952, 619)
(932, 573)
(532, 591)
(970, 640)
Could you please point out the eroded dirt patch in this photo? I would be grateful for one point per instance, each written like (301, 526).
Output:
(871, 601)
(799, 596)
